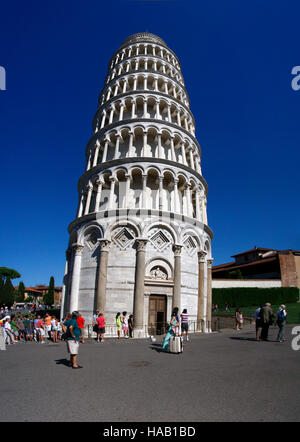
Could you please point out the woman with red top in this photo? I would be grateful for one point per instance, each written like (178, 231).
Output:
(101, 327)
(80, 322)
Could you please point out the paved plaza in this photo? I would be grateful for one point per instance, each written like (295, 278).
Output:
(225, 376)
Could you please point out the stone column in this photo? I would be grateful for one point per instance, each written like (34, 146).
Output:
(209, 294)
(98, 196)
(200, 311)
(183, 154)
(104, 245)
(65, 284)
(104, 156)
(97, 148)
(116, 155)
(88, 200)
(78, 248)
(198, 208)
(173, 155)
(176, 197)
(112, 192)
(160, 189)
(139, 325)
(80, 208)
(103, 119)
(144, 195)
(177, 277)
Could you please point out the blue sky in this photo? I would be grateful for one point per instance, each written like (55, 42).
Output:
(236, 59)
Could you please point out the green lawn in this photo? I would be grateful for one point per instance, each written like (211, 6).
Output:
(293, 312)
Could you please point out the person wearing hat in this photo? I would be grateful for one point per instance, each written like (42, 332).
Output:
(281, 321)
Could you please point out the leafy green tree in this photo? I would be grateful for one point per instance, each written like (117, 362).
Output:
(7, 293)
(49, 296)
(6, 273)
(20, 293)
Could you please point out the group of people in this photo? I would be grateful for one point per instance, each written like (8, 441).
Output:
(264, 317)
(30, 327)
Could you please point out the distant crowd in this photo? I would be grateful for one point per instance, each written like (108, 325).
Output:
(32, 327)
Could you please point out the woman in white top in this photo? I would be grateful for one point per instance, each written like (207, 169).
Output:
(54, 328)
(9, 336)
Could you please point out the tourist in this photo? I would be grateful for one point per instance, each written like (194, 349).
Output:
(173, 326)
(48, 320)
(226, 307)
(119, 324)
(281, 321)
(14, 326)
(73, 335)
(267, 316)
(9, 336)
(94, 322)
(239, 319)
(21, 327)
(185, 324)
(258, 322)
(80, 322)
(28, 328)
(40, 330)
(175, 310)
(125, 325)
(101, 327)
(54, 328)
(130, 326)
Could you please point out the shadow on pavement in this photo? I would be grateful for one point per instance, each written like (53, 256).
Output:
(240, 338)
(65, 362)
(157, 347)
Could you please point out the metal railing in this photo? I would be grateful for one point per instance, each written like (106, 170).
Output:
(157, 328)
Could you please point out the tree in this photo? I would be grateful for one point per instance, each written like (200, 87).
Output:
(20, 293)
(49, 296)
(7, 293)
(6, 273)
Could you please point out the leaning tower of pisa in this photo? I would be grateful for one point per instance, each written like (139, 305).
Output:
(140, 241)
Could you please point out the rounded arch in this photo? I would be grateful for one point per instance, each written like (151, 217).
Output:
(162, 226)
(158, 262)
(123, 222)
(87, 230)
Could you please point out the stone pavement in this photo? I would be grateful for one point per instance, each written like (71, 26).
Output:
(225, 376)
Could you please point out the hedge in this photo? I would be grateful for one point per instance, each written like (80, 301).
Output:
(246, 296)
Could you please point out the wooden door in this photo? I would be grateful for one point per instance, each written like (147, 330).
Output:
(157, 314)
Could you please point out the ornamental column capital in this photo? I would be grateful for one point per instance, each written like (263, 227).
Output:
(177, 249)
(201, 256)
(141, 244)
(209, 262)
(78, 248)
(104, 244)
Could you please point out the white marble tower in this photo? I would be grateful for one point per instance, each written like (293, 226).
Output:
(140, 241)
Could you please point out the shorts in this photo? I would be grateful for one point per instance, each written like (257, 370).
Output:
(101, 330)
(125, 327)
(81, 331)
(185, 326)
(41, 331)
(48, 328)
(28, 331)
(73, 347)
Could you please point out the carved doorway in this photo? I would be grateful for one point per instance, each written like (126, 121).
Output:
(157, 314)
